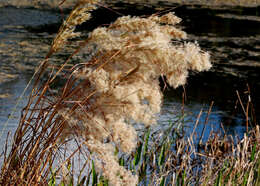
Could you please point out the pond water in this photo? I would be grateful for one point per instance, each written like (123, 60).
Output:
(230, 34)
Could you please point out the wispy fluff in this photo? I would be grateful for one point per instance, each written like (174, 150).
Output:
(121, 85)
(78, 15)
(107, 163)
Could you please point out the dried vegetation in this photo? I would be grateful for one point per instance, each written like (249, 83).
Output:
(91, 116)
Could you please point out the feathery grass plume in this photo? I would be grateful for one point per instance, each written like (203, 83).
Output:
(109, 165)
(117, 86)
(78, 15)
(121, 84)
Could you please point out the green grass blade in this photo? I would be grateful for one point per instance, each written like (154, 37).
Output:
(94, 175)
(146, 143)
(162, 183)
(219, 179)
(245, 179)
(162, 156)
(252, 158)
(183, 178)
(138, 154)
(121, 161)
(52, 181)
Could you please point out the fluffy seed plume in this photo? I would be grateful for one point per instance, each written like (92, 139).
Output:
(78, 15)
(122, 84)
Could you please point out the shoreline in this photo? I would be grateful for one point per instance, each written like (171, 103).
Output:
(68, 4)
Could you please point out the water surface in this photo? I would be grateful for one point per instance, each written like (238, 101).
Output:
(231, 35)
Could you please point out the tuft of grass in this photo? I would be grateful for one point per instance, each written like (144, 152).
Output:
(89, 117)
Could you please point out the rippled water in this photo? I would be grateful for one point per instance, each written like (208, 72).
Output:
(232, 35)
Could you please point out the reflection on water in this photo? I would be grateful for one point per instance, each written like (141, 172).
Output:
(233, 40)
(9, 104)
(234, 125)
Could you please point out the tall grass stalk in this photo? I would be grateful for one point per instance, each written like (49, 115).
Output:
(91, 116)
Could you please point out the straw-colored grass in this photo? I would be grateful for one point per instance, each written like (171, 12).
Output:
(90, 118)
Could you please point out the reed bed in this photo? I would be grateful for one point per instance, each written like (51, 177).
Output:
(83, 133)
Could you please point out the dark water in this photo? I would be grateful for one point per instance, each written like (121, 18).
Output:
(231, 35)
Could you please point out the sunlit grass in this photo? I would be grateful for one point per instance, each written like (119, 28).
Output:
(82, 133)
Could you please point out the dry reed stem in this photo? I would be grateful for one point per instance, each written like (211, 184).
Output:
(100, 99)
